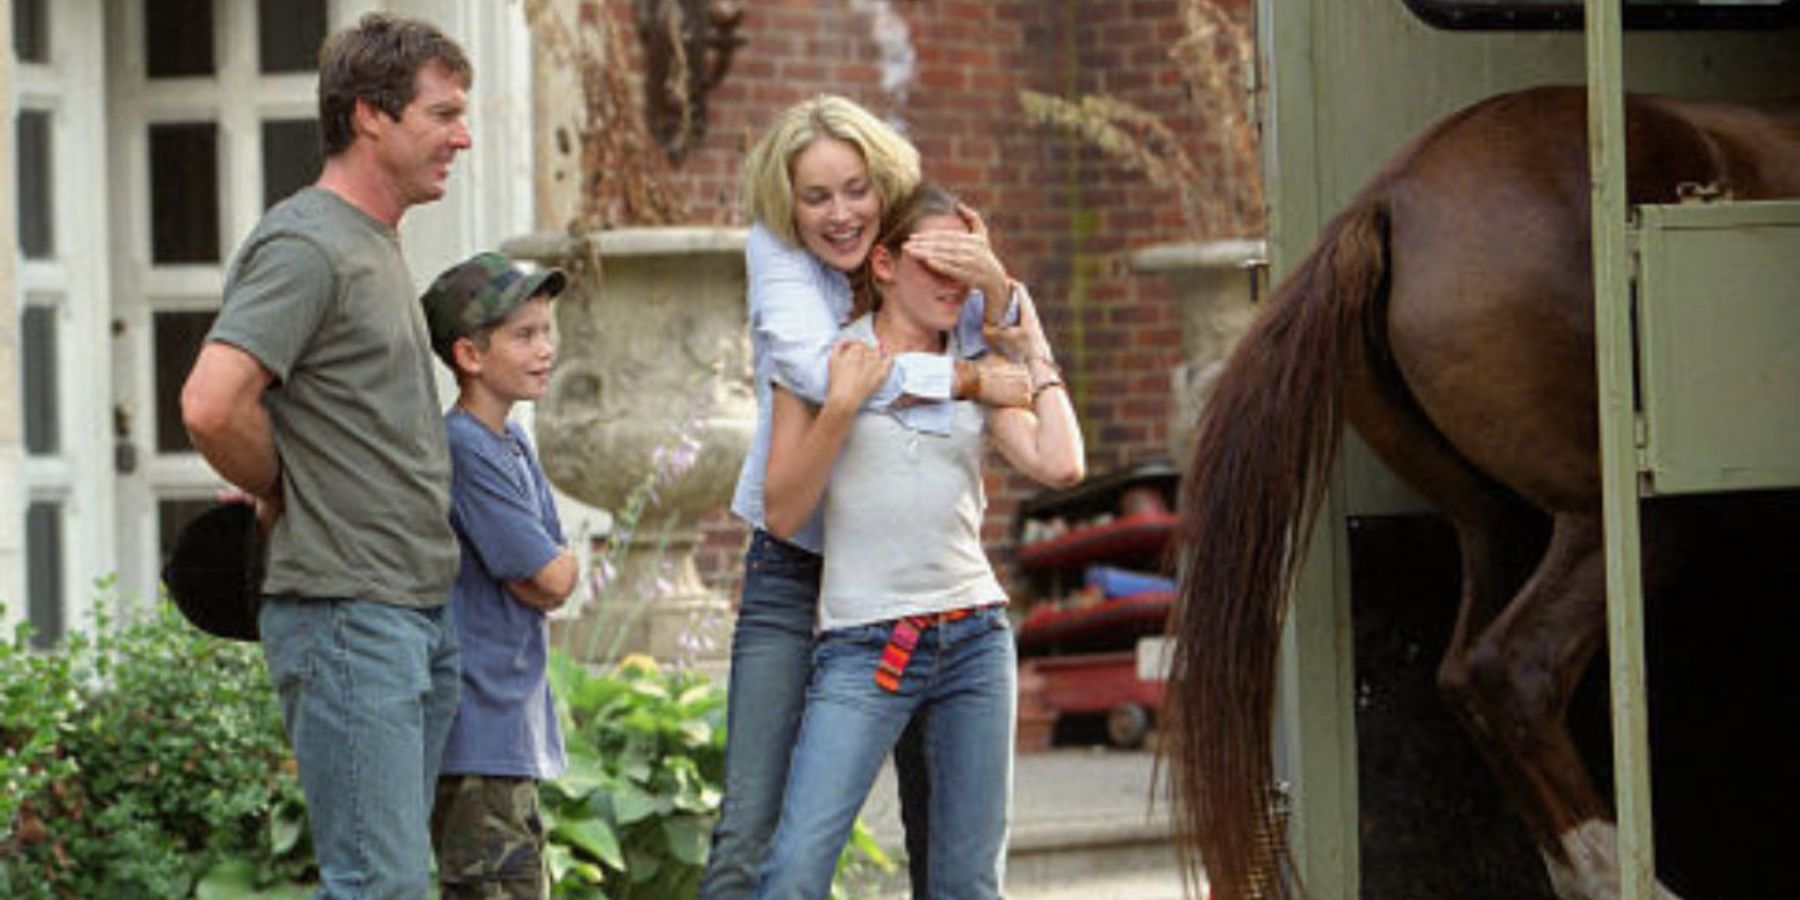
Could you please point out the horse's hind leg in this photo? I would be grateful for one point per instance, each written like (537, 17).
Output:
(1511, 681)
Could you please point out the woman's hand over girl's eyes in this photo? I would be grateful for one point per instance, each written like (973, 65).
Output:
(964, 256)
(1010, 340)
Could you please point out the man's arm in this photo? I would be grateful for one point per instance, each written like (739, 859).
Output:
(221, 406)
(276, 297)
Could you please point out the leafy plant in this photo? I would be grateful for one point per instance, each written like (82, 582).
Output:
(861, 864)
(149, 761)
(39, 700)
(633, 814)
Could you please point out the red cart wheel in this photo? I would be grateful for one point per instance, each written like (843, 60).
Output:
(1127, 725)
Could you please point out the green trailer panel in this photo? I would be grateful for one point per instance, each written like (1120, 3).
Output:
(1719, 345)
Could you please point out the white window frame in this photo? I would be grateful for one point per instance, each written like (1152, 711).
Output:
(78, 476)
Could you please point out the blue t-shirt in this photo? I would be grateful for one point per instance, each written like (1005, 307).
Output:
(506, 523)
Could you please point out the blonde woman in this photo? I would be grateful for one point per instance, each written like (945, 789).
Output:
(912, 618)
(815, 187)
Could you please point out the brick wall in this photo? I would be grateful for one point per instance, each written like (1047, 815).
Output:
(1062, 215)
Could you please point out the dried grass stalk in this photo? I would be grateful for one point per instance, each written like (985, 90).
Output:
(1220, 190)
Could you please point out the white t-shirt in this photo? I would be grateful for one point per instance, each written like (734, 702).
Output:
(903, 515)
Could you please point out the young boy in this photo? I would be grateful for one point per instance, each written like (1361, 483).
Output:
(491, 324)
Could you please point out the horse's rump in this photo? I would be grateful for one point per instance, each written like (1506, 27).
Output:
(1447, 314)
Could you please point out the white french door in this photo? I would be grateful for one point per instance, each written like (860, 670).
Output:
(59, 208)
(212, 118)
(149, 136)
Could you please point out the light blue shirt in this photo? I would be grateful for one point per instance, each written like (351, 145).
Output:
(797, 305)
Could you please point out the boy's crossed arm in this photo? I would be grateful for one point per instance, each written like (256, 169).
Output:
(550, 586)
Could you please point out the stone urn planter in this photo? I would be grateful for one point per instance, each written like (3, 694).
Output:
(1215, 284)
(648, 415)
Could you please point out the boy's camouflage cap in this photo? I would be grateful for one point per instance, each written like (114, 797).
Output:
(478, 292)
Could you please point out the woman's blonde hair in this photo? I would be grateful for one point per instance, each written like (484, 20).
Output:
(768, 187)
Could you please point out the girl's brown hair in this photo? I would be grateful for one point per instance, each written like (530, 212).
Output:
(899, 222)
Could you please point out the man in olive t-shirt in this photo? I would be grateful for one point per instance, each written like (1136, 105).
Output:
(314, 395)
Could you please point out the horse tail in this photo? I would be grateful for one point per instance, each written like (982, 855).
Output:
(1265, 445)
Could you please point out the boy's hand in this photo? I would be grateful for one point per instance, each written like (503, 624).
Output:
(529, 594)
(550, 586)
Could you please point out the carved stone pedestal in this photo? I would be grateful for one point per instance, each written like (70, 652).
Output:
(648, 415)
(1214, 282)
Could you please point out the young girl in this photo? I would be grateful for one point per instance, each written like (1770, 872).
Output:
(815, 186)
(912, 618)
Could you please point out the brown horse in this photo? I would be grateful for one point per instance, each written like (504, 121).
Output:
(1447, 315)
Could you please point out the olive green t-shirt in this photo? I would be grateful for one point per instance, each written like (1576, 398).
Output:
(320, 294)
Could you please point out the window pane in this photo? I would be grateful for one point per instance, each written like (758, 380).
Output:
(184, 192)
(37, 235)
(42, 434)
(178, 336)
(31, 30)
(43, 572)
(288, 34)
(291, 157)
(171, 517)
(178, 38)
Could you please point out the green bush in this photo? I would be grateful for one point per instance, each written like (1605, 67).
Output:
(633, 815)
(39, 700)
(149, 761)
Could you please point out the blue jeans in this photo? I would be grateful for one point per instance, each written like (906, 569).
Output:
(962, 681)
(368, 691)
(771, 662)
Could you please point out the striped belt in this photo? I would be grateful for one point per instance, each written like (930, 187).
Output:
(905, 638)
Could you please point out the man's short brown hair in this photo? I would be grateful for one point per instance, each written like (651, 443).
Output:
(378, 61)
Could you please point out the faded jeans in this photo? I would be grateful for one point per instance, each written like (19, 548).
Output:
(962, 682)
(771, 663)
(368, 691)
